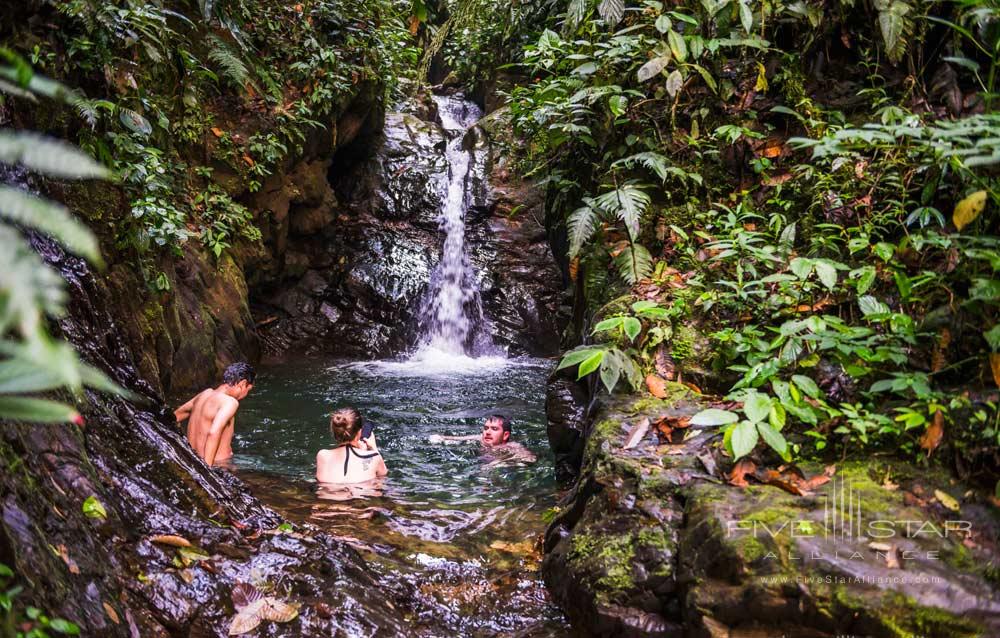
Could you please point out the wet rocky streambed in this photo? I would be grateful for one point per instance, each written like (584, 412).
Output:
(458, 525)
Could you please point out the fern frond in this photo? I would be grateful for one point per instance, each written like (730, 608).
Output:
(634, 263)
(627, 203)
(230, 66)
(653, 161)
(580, 226)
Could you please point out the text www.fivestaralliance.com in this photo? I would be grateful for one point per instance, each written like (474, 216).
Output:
(851, 580)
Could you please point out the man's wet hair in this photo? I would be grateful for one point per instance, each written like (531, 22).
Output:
(239, 371)
(504, 421)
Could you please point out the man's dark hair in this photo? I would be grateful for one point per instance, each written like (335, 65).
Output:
(504, 421)
(238, 372)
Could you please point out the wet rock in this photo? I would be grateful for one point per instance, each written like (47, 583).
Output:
(647, 543)
(566, 413)
(104, 574)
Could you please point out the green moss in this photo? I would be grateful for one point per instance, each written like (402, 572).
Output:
(682, 344)
(906, 618)
(615, 558)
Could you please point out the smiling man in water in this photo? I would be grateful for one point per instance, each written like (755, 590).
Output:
(495, 437)
(211, 413)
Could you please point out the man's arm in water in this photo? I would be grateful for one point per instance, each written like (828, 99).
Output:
(222, 420)
(183, 412)
(441, 438)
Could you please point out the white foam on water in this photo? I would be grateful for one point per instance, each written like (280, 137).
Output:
(430, 361)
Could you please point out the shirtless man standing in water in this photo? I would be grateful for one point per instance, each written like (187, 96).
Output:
(211, 413)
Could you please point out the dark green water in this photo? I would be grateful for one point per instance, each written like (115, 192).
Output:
(461, 524)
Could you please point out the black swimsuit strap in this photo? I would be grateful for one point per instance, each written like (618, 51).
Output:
(351, 450)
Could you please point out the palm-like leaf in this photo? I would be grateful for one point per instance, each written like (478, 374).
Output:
(628, 204)
(634, 263)
(47, 155)
(581, 225)
(611, 11)
(50, 218)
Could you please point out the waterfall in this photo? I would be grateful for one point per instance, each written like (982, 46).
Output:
(452, 321)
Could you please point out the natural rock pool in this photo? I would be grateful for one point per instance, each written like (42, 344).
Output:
(460, 524)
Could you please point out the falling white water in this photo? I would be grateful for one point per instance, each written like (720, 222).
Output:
(452, 323)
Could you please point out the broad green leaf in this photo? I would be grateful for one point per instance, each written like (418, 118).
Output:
(51, 219)
(93, 508)
(611, 370)
(746, 17)
(590, 364)
(662, 23)
(608, 324)
(18, 376)
(866, 277)
(618, 105)
(776, 417)
(774, 439)
(807, 385)
(36, 410)
(992, 337)
(632, 327)
(48, 156)
(801, 267)
(827, 274)
(756, 406)
(892, 22)
(653, 68)
(644, 304)
(714, 416)
(967, 210)
(743, 439)
(575, 356)
(871, 306)
(947, 500)
(707, 77)
(677, 45)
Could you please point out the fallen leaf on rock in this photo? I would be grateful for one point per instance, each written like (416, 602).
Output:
(791, 479)
(170, 539)
(708, 461)
(738, 475)
(657, 386)
(252, 607)
(216, 131)
(947, 500)
(665, 427)
(671, 450)
(70, 563)
(636, 433)
(187, 576)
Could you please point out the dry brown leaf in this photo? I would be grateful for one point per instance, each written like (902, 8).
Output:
(636, 433)
(738, 475)
(574, 268)
(995, 367)
(112, 614)
(931, 438)
(218, 132)
(70, 563)
(170, 539)
(657, 386)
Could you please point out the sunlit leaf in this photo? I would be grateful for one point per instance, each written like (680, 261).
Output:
(743, 439)
(967, 210)
(590, 364)
(714, 416)
(653, 68)
(93, 508)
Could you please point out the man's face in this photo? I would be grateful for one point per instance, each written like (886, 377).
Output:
(493, 433)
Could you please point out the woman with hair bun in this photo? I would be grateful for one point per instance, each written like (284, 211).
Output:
(356, 458)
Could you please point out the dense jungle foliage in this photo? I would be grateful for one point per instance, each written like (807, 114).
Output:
(790, 203)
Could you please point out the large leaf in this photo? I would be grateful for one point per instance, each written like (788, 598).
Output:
(756, 406)
(628, 203)
(30, 287)
(774, 439)
(892, 21)
(653, 68)
(36, 410)
(611, 11)
(49, 156)
(590, 364)
(967, 210)
(634, 263)
(575, 356)
(575, 13)
(611, 370)
(714, 416)
(51, 219)
(743, 439)
(580, 226)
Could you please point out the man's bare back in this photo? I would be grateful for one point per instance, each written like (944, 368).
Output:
(211, 415)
